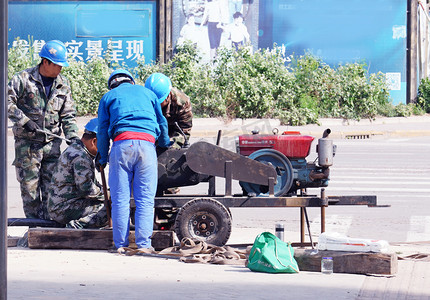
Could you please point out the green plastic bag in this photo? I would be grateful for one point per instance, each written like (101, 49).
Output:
(271, 255)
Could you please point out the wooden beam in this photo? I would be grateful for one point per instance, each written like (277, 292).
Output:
(348, 262)
(12, 241)
(90, 239)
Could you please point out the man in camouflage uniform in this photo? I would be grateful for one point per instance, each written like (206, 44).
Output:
(177, 108)
(75, 197)
(40, 104)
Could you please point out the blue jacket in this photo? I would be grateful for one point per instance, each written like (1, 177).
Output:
(133, 108)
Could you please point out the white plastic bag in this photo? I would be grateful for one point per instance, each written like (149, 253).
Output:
(339, 242)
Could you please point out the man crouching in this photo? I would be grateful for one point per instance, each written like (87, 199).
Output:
(75, 197)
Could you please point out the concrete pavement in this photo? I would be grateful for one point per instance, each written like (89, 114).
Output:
(73, 274)
(70, 274)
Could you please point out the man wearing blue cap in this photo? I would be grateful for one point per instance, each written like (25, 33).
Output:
(130, 115)
(40, 106)
(75, 196)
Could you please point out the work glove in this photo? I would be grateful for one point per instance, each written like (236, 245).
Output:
(72, 140)
(31, 126)
(99, 166)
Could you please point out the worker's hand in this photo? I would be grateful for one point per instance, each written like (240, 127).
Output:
(72, 140)
(31, 126)
(99, 166)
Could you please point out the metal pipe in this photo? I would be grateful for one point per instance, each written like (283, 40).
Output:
(107, 202)
(326, 133)
(53, 135)
(309, 226)
(302, 227)
(323, 206)
(3, 151)
(411, 52)
(186, 143)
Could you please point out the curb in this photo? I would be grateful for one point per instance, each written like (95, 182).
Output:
(359, 134)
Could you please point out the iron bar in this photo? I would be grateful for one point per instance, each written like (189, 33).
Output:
(3, 151)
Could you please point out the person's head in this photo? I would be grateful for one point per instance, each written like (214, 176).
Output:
(54, 57)
(238, 17)
(191, 19)
(167, 100)
(160, 84)
(119, 77)
(89, 138)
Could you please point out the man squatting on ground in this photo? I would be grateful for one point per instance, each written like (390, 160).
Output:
(40, 99)
(131, 116)
(75, 197)
(177, 108)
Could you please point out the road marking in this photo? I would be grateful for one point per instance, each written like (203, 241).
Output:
(339, 177)
(333, 223)
(373, 182)
(419, 229)
(404, 171)
(371, 189)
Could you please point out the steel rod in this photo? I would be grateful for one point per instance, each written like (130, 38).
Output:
(3, 151)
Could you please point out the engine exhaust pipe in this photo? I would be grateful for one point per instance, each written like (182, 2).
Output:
(326, 133)
(325, 150)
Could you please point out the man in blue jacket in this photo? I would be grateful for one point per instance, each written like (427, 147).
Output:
(130, 115)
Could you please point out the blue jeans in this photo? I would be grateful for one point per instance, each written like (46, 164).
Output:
(132, 167)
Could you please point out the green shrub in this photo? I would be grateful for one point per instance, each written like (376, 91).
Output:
(424, 95)
(244, 84)
(88, 82)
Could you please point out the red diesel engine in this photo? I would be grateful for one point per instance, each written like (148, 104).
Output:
(287, 154)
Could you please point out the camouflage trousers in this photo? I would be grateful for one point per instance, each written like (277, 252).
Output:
(34, 163)
(85, 213)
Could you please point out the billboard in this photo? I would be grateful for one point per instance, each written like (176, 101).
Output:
(215, 23)
(88, 28)
(339, 32)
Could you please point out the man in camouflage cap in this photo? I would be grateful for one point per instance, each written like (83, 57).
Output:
(75, 197)
(40, 106)
(177, 108)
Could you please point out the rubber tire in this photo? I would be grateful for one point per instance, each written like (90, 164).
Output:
(204, 219)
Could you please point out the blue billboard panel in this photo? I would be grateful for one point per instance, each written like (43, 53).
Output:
(373, 31)
(88, 28)
(337, 31)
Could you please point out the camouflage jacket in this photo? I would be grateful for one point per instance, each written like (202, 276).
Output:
(178, 110)
(27, 100)
(73, 177)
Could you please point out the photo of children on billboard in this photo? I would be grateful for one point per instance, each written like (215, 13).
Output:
(211, 24)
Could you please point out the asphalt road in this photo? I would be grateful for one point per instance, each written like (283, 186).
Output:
(396, 170)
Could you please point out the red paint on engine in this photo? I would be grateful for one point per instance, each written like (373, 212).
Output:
(292, 145)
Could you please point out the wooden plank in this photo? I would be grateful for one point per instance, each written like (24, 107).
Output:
(89, 239)
(348, 262)
(12, 241)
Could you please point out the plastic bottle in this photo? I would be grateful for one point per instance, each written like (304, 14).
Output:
(327, 265)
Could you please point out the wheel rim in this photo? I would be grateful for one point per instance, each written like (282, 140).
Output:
(204, 219)
(283, 168)
(202, 225)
